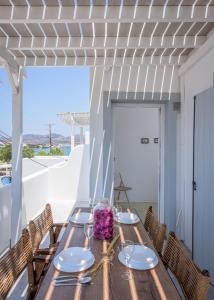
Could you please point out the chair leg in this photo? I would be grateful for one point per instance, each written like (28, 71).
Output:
(118, 197)
(32, 281)
(52, 236)
(127, 199)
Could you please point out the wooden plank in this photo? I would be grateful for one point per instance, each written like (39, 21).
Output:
(108, 284)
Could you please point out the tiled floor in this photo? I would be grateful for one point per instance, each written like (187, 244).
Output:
(211, 293)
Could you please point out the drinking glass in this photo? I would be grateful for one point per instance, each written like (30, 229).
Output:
(88, 230)
(127, 248)
(116, 211)
(132, 213)
(91, 203)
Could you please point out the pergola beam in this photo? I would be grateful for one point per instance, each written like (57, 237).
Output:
(99, 14)
(100, 61)
(11, 66)
(63, 43)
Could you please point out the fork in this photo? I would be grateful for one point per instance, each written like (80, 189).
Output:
(72, 276)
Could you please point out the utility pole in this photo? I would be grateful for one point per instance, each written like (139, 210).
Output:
(50, 134)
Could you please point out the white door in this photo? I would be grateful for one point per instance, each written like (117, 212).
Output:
(136, 150)
(203, 188)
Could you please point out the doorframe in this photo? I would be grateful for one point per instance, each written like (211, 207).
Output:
(161, 171)
(193, 176)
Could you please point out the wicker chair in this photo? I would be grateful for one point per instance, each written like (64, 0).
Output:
(14, 262)
(148, 218)
(40, 226)
(156, 230)
(193, 282)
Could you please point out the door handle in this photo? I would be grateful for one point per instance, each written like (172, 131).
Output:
(194, 185)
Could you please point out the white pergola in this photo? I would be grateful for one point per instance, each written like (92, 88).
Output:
(103, 32)
(80, 119)
(93, 33)
(71, 118)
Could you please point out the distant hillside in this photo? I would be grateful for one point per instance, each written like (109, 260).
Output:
(40, 139)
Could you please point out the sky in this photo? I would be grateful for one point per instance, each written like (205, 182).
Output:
(46, 92)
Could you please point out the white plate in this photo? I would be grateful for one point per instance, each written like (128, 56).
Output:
(74, 259)
(82, 218)
(127, 218)
(143, 258)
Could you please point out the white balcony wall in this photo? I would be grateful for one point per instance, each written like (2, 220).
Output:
(5, 216)
(39, 163)
(196, 76)
(69, 182)
(64, 185)
(35, 194)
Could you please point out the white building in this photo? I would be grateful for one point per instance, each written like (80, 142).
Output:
(146, 59)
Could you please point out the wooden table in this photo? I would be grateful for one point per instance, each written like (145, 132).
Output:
(108, 284)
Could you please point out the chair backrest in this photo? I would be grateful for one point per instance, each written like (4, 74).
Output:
(156, 230)
(13, 263)
(40, 226)
(148, 218)
(193, 281)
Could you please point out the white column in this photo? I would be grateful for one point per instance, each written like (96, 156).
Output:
(81, 135)
(17, 128)
(72, 136)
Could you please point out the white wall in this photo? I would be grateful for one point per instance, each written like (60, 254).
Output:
(131, 79)
(69, 182)
(34, 194)
(137, 79)
(39, 163)
(5, 216)
(196, 76)
(138, 163)
(63, 185)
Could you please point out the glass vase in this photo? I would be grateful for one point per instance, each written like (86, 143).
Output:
(103, 220)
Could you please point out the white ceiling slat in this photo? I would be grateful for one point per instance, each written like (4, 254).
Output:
(50, 14)
(100, 61)
(199, 31)
(61, 43)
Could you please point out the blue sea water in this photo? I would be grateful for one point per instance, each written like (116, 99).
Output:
(66, 150)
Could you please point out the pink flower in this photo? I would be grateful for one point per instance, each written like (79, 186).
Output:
(103, 224)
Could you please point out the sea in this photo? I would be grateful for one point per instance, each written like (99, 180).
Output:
(66, 150)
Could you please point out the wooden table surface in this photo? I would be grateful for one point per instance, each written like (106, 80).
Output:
(108, 284)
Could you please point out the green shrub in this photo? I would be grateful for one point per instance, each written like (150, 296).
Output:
(6, 153)
(28, 152)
